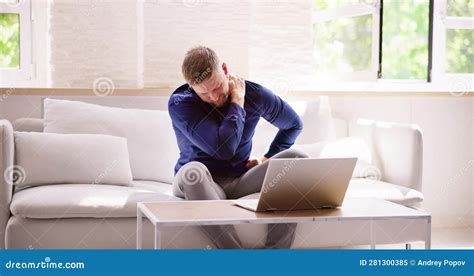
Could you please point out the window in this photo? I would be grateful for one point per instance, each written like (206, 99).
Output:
(405, 39)
(390, 39)
(15, 41)
(346, 39)
(453, 38)
(10, 41)
(459, 53)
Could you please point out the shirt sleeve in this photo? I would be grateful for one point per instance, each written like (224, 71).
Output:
(218, 139)
(280, 114)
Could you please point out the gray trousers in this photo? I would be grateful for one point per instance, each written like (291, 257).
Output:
(194, 182)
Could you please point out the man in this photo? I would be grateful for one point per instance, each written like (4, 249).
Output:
(214, 117)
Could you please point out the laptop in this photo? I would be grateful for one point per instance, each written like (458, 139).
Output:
(302, 184)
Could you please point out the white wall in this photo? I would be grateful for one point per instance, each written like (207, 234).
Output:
(281, 43)
(136, 43)
(171, 28)
(91, 39)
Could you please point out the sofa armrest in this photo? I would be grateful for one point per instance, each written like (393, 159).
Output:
(397, 150)
(28, 124)
(6, 166)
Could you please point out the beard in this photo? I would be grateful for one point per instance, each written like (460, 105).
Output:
(223, 100)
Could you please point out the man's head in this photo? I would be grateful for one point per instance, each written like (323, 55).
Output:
(207, 75)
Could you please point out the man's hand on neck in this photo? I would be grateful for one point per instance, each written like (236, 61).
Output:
(237, 90)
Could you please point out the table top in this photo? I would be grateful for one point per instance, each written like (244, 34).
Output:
(209, 212)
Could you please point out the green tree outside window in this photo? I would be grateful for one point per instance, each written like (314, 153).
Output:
(9, 41)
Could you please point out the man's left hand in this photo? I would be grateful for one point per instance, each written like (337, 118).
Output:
(252, 162)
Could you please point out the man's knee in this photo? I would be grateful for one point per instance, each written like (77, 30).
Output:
(293, 153)
(193, 173)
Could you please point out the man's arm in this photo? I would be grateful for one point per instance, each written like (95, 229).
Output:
(280, 114)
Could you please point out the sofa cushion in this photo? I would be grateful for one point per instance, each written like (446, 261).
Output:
(102, 201)
(151, 141)
(369, 188)
(353, 146)
(316, 115)
(87, 200)
(50, 158)
(318, 125)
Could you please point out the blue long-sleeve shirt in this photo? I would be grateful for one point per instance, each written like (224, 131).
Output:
(221, 138)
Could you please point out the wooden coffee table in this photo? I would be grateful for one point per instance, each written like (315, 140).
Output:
(222, 212)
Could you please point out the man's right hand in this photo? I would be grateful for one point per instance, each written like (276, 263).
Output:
(237, 90)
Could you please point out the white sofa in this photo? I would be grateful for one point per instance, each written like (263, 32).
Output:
(104, 216)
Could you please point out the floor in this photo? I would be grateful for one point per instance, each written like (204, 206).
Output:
(441, 238)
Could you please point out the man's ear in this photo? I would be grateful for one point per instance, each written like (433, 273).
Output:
(224, 67)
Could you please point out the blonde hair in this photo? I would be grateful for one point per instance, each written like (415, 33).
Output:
(198, 65)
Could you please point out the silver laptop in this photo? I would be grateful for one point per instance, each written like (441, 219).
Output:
(302, 183)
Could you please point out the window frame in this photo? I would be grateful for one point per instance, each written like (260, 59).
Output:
(441, 23)
(371, 7)
(429, 54)
(24, 72)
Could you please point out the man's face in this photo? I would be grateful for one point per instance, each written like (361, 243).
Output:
(215, 89)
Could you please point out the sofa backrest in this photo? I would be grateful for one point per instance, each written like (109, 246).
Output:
(28, 124)
(316, 116)
(36, 125)
(396, 149)
(264, 134)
